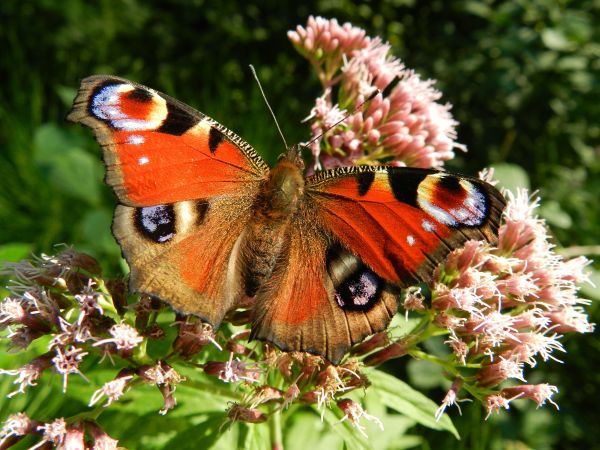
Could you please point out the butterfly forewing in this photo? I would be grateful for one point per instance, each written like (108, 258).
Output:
(404, 221)
(158, 150)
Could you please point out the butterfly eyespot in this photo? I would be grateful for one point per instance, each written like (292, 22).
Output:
(356, 287)
(452, 201)
(156, 223)
(359, 291)
(125, 107)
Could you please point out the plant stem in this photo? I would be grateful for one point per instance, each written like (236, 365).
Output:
(275, 428)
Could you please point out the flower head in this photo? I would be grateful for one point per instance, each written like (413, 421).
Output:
(354, 412)
(383, 112)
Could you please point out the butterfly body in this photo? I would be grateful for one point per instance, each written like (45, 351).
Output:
(206, 226)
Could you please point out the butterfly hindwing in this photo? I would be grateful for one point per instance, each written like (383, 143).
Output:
(321, 298)
(185, 252)
(158, 150)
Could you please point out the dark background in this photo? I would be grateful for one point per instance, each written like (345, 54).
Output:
(523, 77)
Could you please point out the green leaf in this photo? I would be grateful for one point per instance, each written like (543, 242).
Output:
(253, 436)
(14, 251)
(402, 398)
(511, 176)
(554, 214)
(66, 165)
(94, 230)
(555, 39)
(203, 434)
(425, 374)
(303, 429)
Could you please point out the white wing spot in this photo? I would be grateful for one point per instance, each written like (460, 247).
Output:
(135, 139)
(411, 240)
(143, 160)
(428, 226)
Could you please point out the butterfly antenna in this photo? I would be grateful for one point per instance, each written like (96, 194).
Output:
(268, 106)
(392, 84)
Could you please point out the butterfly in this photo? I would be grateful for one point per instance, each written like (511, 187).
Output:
(208, 227)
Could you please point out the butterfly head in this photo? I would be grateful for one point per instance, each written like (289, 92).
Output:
(285, 185)
(293, 155)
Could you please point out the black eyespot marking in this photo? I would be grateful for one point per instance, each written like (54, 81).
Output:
(360, 291)
(404, 185)
(357, 288)
(156, 223)
(178, 120)
(364, 180)
(201, 211)
(215, 137)
(450, 183)
(140, 95)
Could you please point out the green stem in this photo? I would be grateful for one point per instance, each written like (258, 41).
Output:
(275, 429)
(449, 366)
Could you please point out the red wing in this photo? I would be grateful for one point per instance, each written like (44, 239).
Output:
(400, 221)
(158, 150)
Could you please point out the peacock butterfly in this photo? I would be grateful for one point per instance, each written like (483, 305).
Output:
(207, 226)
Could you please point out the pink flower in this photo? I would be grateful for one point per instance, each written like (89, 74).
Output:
(450, 399)
(16, 426)
(354, 412)
(54, 432)
(102, 441)
(239, 413)
(74, 439)
(124, 337)
(405, 126)
(29, 373)
(112, 390)
(67, 362)
(494, 403)
(193, 336)
(394, 350)
(539, 393)
(325, 43)
(233, 370)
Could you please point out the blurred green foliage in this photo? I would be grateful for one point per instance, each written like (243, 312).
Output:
(523, 78)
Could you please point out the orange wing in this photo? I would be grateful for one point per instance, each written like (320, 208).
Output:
(158, 150)
(402, 221)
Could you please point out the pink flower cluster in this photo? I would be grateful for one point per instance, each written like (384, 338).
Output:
(373, 110)
(503, 308)
(65, 298)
